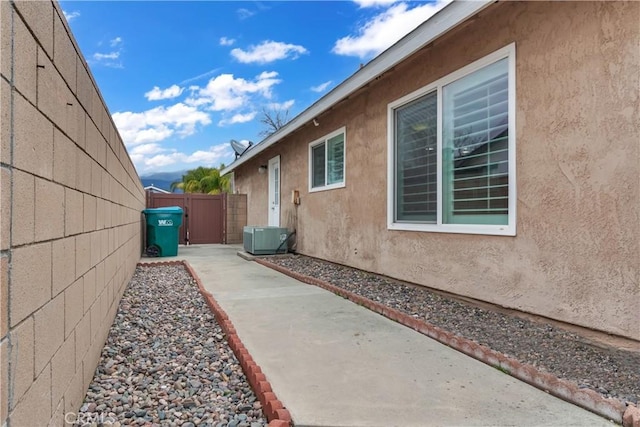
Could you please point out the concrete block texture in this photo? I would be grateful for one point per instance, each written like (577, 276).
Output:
(84, 85)
(96, 248)
(57, 419)
(49, 210)
(25, 57)
(64, 155)
(29, 280)
(83, 254)
(6, 20)
(93, 138)
(64, 52)
(55, 99)
(83, 172)
(49, 331)
(4, 296)
(100, 214)
(64, 266)
(5, 119)
(83, 340)
(81, 119)
(90, 288)
(96, 179)
(23, 208)
(73, 212)
(4, 380)
(74, 394)
(67, 193)
(63, 367)
(89, 218)
(21, 357)
(5, 208)
(34, 409)
(73, 306)
(39, 17)
(32, 139)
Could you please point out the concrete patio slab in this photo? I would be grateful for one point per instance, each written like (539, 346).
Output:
(334, 363)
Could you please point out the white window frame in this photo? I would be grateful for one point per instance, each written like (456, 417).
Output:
(508, 52)
(323, 140)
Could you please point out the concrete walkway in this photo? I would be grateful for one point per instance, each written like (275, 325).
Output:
(334, 363)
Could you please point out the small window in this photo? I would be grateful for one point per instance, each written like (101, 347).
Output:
(452, 152)
(326, 162)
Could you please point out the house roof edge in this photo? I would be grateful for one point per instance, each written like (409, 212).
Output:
(439, 24)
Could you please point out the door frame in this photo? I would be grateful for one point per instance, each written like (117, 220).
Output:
(274, 195)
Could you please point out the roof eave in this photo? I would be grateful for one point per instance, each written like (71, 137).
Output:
(439, 24)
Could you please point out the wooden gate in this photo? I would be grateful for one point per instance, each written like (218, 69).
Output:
(203, 220)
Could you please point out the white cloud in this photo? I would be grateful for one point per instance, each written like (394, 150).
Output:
(374, 3)
(102, 56)
(157, 94)
(159, 123)
(111, 59)
(225, 41)
(236, 98)
(227, 93)
(268, 51)
(70, 16)
(385, 29)
(238, 118)
(321, 87)
(158, 161)
(198, 77)
(146, 149)
(245, 13)
(211, 157)
(279, 106)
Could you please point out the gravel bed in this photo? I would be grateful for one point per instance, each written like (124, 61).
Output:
(611, 372)
(166, 361)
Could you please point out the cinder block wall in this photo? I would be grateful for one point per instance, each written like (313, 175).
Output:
(236, 217)
(70, 206)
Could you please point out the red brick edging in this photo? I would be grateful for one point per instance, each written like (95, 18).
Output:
(272, 408)
(613, 409)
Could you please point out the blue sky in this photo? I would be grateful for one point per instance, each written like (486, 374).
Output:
(181, 79)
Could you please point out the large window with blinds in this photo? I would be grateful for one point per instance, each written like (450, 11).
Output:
(452, 152)
(326, 162)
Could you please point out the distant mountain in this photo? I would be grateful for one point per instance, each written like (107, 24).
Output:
(161, 180)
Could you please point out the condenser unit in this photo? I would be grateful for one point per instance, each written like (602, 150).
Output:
(265, 240)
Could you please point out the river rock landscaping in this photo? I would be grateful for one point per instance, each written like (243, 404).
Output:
(609, 371)
(166, 361)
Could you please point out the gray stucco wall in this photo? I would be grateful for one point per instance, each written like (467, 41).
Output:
(575, 255)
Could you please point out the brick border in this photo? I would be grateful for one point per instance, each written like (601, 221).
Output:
(610, 408)
(277, 415)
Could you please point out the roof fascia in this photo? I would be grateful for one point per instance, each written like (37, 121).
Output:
(439, 24)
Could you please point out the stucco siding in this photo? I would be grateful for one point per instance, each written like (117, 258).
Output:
(575, 255)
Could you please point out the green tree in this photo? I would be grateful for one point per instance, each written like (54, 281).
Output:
(203, 180)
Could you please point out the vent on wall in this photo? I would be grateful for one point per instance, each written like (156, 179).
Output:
(265, 240)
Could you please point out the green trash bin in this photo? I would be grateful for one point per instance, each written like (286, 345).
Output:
(162, 230)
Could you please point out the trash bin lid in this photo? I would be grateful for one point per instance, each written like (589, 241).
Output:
(165, 210)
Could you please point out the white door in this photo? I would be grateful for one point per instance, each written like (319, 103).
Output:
(274, 191)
